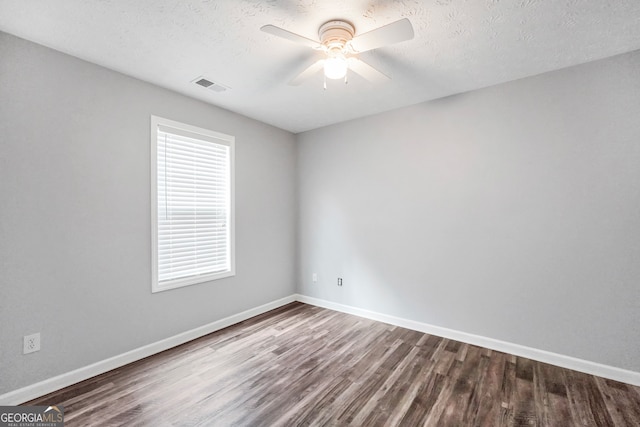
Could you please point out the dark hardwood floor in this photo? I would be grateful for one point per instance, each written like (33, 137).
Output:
(304, 365)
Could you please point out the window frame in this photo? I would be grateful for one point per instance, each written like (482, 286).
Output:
(207, 134)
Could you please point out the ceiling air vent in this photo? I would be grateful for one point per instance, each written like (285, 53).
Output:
(209, 84)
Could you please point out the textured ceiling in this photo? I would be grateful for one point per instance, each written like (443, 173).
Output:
(460, 45)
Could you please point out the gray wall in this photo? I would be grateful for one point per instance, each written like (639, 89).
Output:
(75, 214)
(511, 212)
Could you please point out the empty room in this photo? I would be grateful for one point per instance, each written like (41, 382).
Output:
(302, 212)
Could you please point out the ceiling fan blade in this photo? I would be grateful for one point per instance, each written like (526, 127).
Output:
(367, 71)
(307, 73)
(296, 38)
(395, 32)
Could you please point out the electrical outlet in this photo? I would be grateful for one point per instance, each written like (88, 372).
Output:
(339, 281)
(314, 277)
(31, 343)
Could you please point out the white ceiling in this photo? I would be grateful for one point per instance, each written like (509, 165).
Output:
(460, 45)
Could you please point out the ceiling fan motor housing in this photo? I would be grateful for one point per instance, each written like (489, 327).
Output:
(336, 34)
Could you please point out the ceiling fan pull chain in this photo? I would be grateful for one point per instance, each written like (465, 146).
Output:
(325, 82)
(346, 81)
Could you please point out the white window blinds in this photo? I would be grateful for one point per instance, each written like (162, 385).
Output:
(193, 206)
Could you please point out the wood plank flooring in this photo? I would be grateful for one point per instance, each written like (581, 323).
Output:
(302, 365)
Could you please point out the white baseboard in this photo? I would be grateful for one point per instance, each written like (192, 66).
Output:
(41, 388)
(605, 371)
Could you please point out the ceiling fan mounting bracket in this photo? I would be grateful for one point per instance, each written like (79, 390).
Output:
(336, 33)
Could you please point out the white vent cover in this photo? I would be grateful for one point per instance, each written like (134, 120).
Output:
(209, 84)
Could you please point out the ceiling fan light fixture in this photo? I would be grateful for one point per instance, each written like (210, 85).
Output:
(337, 39)
(335, 67)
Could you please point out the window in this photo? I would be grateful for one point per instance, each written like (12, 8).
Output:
(192, 205)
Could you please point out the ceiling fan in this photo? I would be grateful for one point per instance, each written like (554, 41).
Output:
(341, 47)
